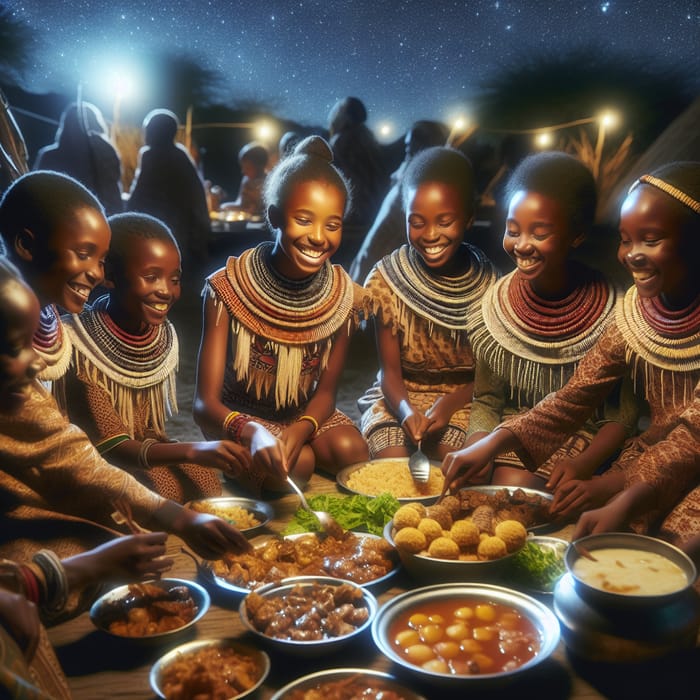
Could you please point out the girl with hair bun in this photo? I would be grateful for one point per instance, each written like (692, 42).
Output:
(277, 325)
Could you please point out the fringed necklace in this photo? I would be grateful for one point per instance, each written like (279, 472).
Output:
(291, 316)
(442, 301)
(534, 343)
(133, 369)
(52, 344)
(661, 338)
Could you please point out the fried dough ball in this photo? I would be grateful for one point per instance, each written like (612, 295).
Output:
(465, 533)
(406, 516)
(491, 547)
(441, 514)
(513, 533)
(444, 548)
(453, 505)
(430, 528)
(417, 506)
(410, 539)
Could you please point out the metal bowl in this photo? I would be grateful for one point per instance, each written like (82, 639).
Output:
(627, 540)
(431, 569)
(376, 680)
(520, 577)
(262, 511)
(226, 586)
(389, 463)
(314, 648)
(544, 621)
(115, 603)
(180, 653)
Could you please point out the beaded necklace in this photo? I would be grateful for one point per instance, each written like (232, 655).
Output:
(52, 344)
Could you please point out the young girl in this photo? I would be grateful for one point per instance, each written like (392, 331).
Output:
(58, 493)
(655, 338)
(56, 233)
(277, 324)
(537, 323)
(423, 297)
(125, 354)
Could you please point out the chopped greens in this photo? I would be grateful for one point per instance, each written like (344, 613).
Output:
(538, 566)
(365, 513)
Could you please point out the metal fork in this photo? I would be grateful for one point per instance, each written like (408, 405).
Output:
(419, 465)
(328, 523)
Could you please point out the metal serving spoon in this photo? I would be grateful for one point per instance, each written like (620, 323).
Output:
(328, 523)
(419, 465)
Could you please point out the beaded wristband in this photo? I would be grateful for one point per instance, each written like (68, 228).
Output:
(56, 581)
(143, 452)
(229, 419)
(31, 585)
(311, 420)
(236, 425)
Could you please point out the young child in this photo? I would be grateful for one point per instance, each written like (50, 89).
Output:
(252, 158)
(655, 338)
(277, 325)
(121, 387)
(56, 232)
(58, 493)
(537, 322)
(423, 296)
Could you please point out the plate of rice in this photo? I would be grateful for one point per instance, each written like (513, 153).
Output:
(391, 475)
(246, 514)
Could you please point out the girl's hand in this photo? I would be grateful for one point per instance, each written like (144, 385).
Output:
(293, 438)
(470, 465)
(564, 471)
(609, 518)
(124, 558)
(226, 455)
(268, 452)
(416, 425)
(20, 618)
(207, 535)
(578, 495)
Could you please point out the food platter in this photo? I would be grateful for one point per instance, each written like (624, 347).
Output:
(425, 495)
(263, 512)
(259, 544)
(374, 680)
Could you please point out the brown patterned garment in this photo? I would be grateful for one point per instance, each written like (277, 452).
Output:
(56, 491)
(123, 387)
(528, 349)
(436, 357)
(666, 372)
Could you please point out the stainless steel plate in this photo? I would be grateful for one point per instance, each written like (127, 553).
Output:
(261, 510)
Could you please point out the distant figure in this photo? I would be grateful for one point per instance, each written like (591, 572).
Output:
(168, 186)
(359, 157)
(253, 159)
(388, 231)
(82, 150)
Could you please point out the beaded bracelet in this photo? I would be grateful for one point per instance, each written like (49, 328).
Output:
(143, 452)
(229, 419)
(31, 585)
(311, 420)
(236, 425)
(56, 580)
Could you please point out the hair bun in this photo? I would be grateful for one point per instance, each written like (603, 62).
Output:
(314, 146)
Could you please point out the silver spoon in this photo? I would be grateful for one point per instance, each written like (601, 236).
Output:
(419, 465)
(328, 523)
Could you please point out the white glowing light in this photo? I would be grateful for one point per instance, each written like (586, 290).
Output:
(544, 139)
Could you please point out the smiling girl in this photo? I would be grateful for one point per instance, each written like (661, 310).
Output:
(424, 296)
(654, 338)
(121, 386)
(538, 322)
(56, 233)
(277, 324)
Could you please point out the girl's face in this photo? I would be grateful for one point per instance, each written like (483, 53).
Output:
(19, 362)
(148, 285)
(655, 246)
(436, 219)
(70, 264)
(538, 238)
(309, 228)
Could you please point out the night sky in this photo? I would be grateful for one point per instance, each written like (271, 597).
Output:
(405, 59)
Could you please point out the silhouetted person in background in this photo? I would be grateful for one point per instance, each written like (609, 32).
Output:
(83, 151)
(168, 186)
(388, 231)
(253, 159)
(359, 157)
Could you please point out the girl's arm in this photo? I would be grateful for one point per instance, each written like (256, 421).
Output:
(445, 406)
(393, 387)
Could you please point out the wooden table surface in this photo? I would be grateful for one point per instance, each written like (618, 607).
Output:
(98, 666)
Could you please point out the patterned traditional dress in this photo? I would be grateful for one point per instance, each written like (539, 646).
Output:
(53, 346)
(528, 347)
(122, 387)
(56, 490)
(282, 332)
(432, 315)
(660, 350)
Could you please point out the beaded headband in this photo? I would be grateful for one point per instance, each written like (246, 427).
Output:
(668, 189)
